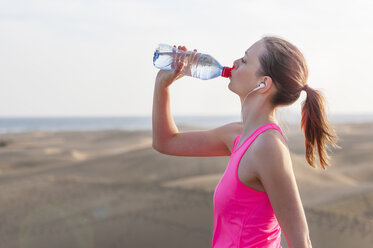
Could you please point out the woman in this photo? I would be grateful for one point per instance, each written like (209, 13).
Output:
(257, 196)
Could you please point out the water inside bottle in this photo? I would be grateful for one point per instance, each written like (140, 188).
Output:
(197, 65)
(164, 59)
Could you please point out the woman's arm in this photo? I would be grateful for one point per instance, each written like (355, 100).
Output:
(166, 137)
(163, 124)
(168, 140)
(275, 171)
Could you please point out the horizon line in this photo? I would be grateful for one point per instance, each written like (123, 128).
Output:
(146, 116)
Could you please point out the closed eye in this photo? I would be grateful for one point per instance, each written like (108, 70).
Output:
(243, 61)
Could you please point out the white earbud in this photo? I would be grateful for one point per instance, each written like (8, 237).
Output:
(261, 85)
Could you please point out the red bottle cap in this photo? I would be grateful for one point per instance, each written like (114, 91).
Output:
(226, 71)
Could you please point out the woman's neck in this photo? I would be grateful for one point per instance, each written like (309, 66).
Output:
(256, 114)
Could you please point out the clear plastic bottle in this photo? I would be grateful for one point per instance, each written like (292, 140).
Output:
(199, 65)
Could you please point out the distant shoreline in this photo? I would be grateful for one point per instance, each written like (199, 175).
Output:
(134, 123)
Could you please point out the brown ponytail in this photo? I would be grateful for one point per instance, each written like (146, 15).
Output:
(316, 128)
(287, 67)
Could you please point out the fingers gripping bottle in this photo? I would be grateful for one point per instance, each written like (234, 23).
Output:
(199, 65)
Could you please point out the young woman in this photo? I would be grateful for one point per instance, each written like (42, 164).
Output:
(257, 196)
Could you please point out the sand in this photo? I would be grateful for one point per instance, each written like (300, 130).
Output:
(111, 189)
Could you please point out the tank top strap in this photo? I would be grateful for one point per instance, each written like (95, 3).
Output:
(236, 140)
(277, 127)
(255, 134)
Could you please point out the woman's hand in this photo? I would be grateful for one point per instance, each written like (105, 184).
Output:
(166, 78)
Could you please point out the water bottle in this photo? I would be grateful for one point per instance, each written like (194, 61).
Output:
(199, 65)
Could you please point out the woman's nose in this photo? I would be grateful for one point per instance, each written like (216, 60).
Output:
(235, 63)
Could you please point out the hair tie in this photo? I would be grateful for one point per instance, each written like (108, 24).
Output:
(305, 87)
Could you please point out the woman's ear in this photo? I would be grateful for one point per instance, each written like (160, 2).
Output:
(268, 83)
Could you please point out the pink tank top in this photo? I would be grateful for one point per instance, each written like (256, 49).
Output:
(243, 217)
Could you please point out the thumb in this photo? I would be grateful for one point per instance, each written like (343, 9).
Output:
(179, 67)
(180, 63)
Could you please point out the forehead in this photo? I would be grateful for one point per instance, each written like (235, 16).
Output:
(255, 50)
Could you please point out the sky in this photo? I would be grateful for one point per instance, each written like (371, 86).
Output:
(94, 58)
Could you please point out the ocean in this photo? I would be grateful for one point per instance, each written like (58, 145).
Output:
(102, 123)
(24, 124)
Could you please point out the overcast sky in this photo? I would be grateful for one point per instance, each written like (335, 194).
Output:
(94, 58)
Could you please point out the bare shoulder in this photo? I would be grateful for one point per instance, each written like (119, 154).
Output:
(270, 142)
(271, 153)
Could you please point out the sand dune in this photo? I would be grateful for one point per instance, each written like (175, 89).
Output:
(204, 182)
(111, 189)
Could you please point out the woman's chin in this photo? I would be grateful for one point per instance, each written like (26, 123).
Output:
(229, 86)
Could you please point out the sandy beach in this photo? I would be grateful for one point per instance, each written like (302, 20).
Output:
(112, 189)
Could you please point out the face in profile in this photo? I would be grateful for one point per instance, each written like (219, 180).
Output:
(243, 76)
